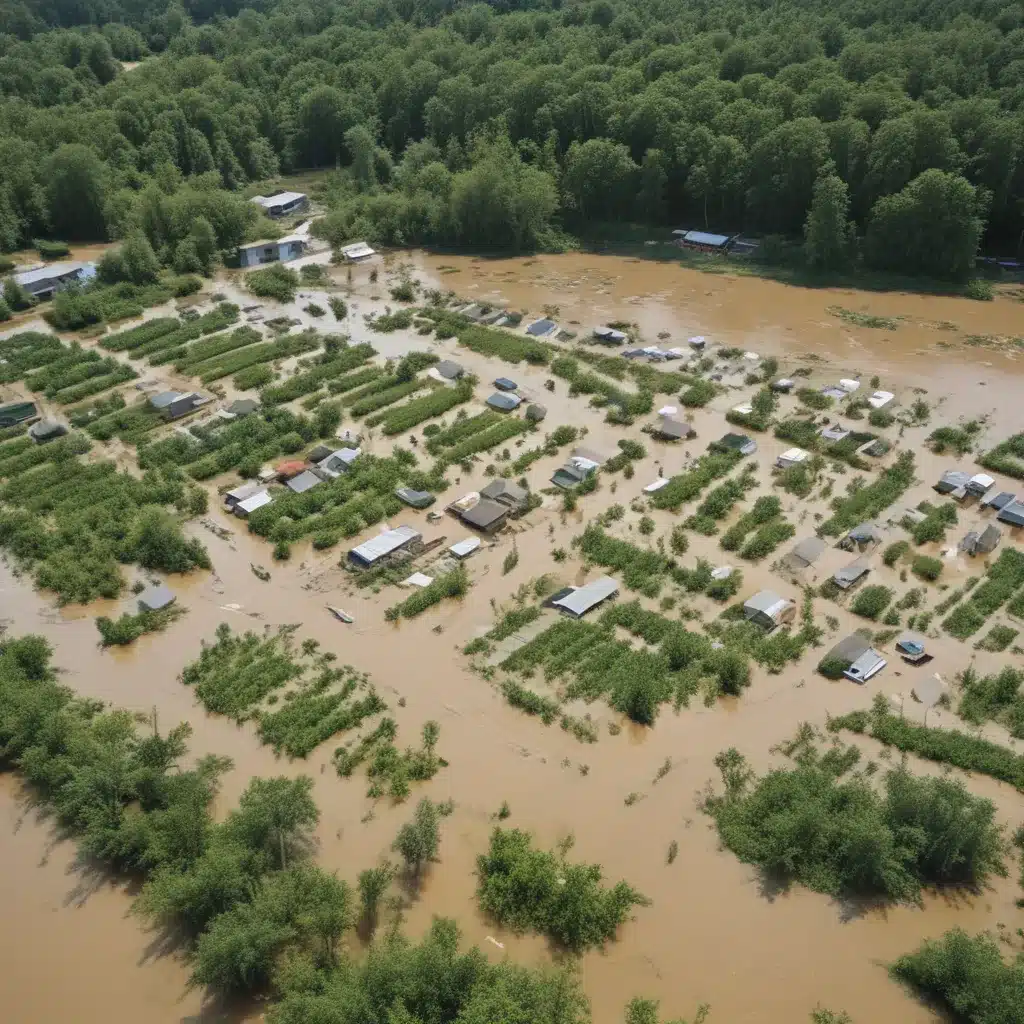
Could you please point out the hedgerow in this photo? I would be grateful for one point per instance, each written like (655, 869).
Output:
(686, 486)
(451, 584)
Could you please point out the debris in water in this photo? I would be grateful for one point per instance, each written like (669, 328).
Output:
(339, 613)
(492, 939)
(259, 572)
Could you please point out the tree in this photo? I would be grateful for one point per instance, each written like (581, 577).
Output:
(74, 177)
(373, 884)
(275, 816)
(204, 241)
(138, 260)
(932, 227)
(361, 143)
(5, 311)
(15, 296)
(827, 232)
(156, 542)
(650, 198)
(599, 179)
(418, 841)
(324, 115)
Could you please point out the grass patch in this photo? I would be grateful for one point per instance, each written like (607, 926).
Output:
(856, 319)
(1007, 457)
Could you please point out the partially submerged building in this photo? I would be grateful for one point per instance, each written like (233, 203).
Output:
(486, 515)
(868, 664)
(609, 336)
(338, 462)
(804, 554)
(669, 429)
(791, 457)
(997, 499)
(737, 443)
(850, 575)
(280, 250)
(580, 600)
(385, 544)
(248, 505)
(574, 472)
(504, 402)
(172, 405)
(1012, 514)
(505, 384)
(413, 498)
(46, 430)
(954, 483)
(983, 543)
(43, 282)
(864, 535)
(241, 492)
(448, 369)
(702, 241)
(281, 204)
(506, 492)
(155, 597)
(357, 252)
(304, 481)
(768, 609)
(543, 328)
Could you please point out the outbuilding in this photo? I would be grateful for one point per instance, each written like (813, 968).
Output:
(46, 430)
(172, 405)
(997, 499)
(768, 609)
(505, 492)
(542, 328)
(702, 241)
(43, 282)
(850, 575)
(953, 482)
(980, 484)
(668, 429)
(486, 515)
(449, 369)
(609, 336)
(505, 384)
(983, 543)
(868, 664)
(414, 499)
(804, 554)
(737, 443)
(281, 204)
(464, 548)
(279, 250)
(357, 252)
(248, 505)
(339, 462)
(1013, 514)
(580, 600)
(881, 399)
(791, 457)
(241, 492)
(504, 402)
(388, 542)
(304, 481)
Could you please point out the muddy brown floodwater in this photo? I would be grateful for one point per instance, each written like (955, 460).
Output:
(68, 945)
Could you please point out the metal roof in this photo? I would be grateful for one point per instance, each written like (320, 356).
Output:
(504, 402)
(417, 499)
(1012, 513)
(805, 553)
(868, 664)
(464, 548)
(357, 251)
(485, 513)
(383, 544)
(505, 490)
(305, 481)
(705, 238)
(281, 199)
(49, 273)
(255, 501)
(505, 384)
(851, 648)
(449, 369)
(582, 599)
(668, 427)
(541, 327)
(766, 602)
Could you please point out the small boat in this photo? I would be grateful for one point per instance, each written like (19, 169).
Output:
(259, 572)
(339, 614)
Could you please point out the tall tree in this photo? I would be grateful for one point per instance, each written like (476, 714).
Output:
(75, 193)
(827, 232)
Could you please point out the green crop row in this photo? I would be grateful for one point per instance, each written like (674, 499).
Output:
(686, 486)
(437, 403)
(331, 367)
(482, 441)
(122, 341)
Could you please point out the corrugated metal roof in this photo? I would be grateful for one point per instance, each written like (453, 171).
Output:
(466, 547)
(705, 238)
(383, 544)
(766, 602)
(281, 199)
(48, 273)
(505, 402)
(582, 599)
(255, 501)
(305, 481)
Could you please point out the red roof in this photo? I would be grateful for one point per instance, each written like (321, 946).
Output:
(292, 468)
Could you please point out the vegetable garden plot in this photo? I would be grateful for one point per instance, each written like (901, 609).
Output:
(124, 341)
(760, 531)
(241, 675)
(1004, 577)
(129, 423)
(462, 428)
(869, 500)
(331, 368)
(382, 397)
(641, 569)
(27, 351)
(483, 441)
(584, 383)
(120, 374)
(267, 352)
(437, 403)
(175, 341)
(451, 584)
(686, 486)
(215, 345)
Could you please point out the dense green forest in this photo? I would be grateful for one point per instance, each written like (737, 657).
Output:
(897, 126)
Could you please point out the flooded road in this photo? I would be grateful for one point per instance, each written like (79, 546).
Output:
(710, 934)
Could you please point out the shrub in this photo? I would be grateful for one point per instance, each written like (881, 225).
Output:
(814, 399)
(881, 418)
(699, 393)
(1007, 457)
(926, 568)
(252, 377)
(868, 501)
(872, 601)
(894, 552)
(339, 307)
(274, 282)
(956, 439)
(51, 250)
(452, 584)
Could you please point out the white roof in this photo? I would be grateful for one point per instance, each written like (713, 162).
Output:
(582, 599)
(785, 382)
(668, 410)
(849, 386)
(281, 199)
(793, 455)
(744, 408)
(418, 579)
(466, 547)
(582, 464)
(255, 501)
(243, 491)
(752, 356)
(768, 602)
(723, 572)
(880, 399)
(384, 543)
(870, 663)
(357, 251)
(982, 480)
(662, 481)
(48, 273)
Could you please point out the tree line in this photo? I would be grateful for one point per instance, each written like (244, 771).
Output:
(896, 129)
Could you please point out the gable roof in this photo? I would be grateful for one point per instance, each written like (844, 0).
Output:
(581, 599)
(485, 513)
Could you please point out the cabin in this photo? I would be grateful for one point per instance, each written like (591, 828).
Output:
(577, 601)
(542, 328)
(737, 443)
(486, 515)
(282, 204)
(464, 548)
(357, 252)
(954, 483)
(388, 542)
(413, 498)
(43, 282)
(983, 543)
(702, 241)
(804, 554)
(282, 250)
(850, 575)
(868, 664)
(980, 484)
(504, 402)
(1012, 514)
(304, 481)
(997, 499)
(768, 609)
(574, 472)
(791, 457)
(244, 508)
(241, 492)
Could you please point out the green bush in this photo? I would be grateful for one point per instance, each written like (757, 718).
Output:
(926, 568)
(814, 399)
(894, 552)
(452, 584)
(274, 282)
(871, 601)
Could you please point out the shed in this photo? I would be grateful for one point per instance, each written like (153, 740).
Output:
(609, 336)
(910, 647)
(589, 455)
(980, 484)
(281, 204)
(738, 443)
(662, 481)
(46, 430)
(449, 369)
(275, 250)
(418, 579)
(881, 399)
(574, 472)
(784, 384)
(804, 554)
(791, 457)
(996, 498)
(505, 384)
(535, 413)
(1013, 513)
(848, 385)
(241, 492)
(668, 429)
(581, 600)
(542, 328)
(983, 543)
(506, 492)
(304, 481)
(385, 543)
(849, 575)
(243, 407)
(850, 648)
(414, 499)
(464, 548)
(42, 282)
(834, 432)
(699, 342)
(868, 664)
(244, 507)
(174, 404)
(861, 536)
(486, 515)
(702, 241)
(952, 480)
(339, 462)
(504, 402)
(357, 251)
(768, 609)
(153, 598)
(320, 452)
(13, 413)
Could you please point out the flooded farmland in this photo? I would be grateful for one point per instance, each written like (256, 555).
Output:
(69, 945)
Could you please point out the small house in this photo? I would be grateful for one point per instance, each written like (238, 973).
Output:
(241, 492)
(46, 430)
(791, 457)
(505, 384)
(486, 515)
(542, 328)
(535, 413)
(668, 429)
(997, 499)
(304, 481)
(980, 484)
(881, 399)
(868, 664)
(609, 336)
(282, 204)
(768, 609)
(834, 432)
(414, 499)
(13, 413)
(804, 554)
(875, 448)
(702, 241)
(954, 483)
(737, 443)
(1013, 514)
(464, 548)
(338, 462)
(388, 542)
(42, 282)
(449, 370)
(357, 252)
(281, 250)
(244, 508)
(574, 472)
(983, 543)
(505, 492)
(504, 402)
(580, 600)
(156, 597)
(850, 575)
(860, 537)
(243, 407)
(850, 648)
(173, 405)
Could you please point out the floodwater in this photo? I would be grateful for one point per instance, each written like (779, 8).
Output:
(68, 946)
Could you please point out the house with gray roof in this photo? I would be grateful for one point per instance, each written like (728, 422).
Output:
(580, 600)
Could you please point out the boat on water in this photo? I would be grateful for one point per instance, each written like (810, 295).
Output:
(339, 613)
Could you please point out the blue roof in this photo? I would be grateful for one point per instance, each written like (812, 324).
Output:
(704, 238)
(506, 384)
(506, 403)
